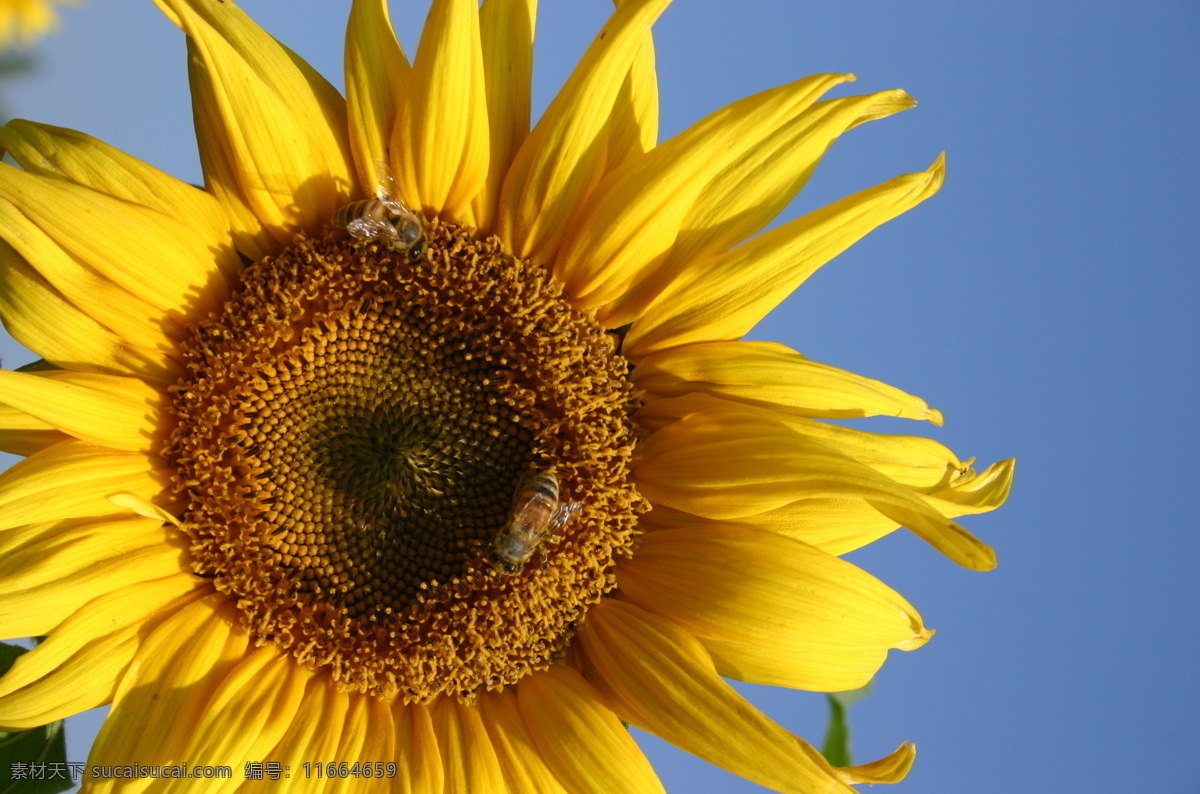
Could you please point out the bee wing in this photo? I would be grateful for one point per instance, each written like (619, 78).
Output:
(368, 228)
(387, 189)
(564, 515)
(385, 180)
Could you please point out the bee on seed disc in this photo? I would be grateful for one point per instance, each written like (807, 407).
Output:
(385, 217)
(537, 514)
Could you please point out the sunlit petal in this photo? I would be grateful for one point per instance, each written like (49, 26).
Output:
(440, 146)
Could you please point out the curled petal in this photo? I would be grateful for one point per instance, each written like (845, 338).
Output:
(760, 175)
(918, 463)
(732, 464)
(890, 769)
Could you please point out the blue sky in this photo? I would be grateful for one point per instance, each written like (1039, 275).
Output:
(1045, 301)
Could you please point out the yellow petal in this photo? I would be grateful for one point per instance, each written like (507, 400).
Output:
(381, 743)
(112, 242)
(732, 464)
(916, 462)
(973, 493)
(775, 376)
(889, 769)
(137, 322)
(416, 752)
(77, 667)
(43, 320)
(631, 220)
(659, 677)
(247, 713)
(80, 158)
(172, 678)
(468, 758)
(843, 523)
(560, 161)
(143, 507)
(73, 480)
(273, 132)
(45, 582)
(440, 146)
(314, 731)
(522, 764)
(506, 37)
(579, 737)
(107, 410)
(376, 71)
(771, 610)
(632, 129)
(23, 537)
(221, 176)
(353, 733)
(835, 526)
(21, 434)
(724, 296)
(758, 180)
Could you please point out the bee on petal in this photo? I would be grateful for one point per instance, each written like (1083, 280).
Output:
(385, 217)
(537, 514)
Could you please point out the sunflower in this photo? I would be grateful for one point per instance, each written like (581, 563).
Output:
(450, 487)
(27, 20)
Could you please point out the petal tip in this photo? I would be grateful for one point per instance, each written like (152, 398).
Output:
(890, 769)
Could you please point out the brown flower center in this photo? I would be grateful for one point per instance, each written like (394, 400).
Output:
(351, 431)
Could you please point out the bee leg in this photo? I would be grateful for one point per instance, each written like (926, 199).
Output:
(545, 559)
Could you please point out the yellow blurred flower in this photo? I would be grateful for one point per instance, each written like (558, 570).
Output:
(25, 21)
(282, 501)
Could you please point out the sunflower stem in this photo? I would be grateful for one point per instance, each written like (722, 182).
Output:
(836, 748)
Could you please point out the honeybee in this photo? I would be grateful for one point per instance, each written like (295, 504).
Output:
(385, 218)
(536, 515)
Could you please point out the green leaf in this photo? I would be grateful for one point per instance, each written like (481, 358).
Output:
(837, 736)
(32, 761)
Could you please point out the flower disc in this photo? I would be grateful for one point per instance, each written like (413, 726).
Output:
(350, 434)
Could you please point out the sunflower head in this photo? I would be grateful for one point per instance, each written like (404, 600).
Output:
(423, 435)
(348, 440)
